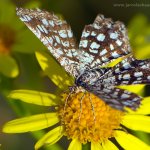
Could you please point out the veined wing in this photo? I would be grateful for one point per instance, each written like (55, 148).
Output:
(130, 63)
(103, 41)
(94, 82)
(55, 34)
(129, 71)
(115, 97)
(134, 76)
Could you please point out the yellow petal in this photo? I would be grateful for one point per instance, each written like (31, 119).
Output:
(130, 142)
(108, 145)
(138, 89)
(8, 66)
(35, 97)
(96, 146)
(50, 138)
(114, 62)
(75, 145)
(31, 123)
(144, 107)
(53, 70)
(137, 122)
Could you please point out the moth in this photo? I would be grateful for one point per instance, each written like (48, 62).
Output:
(101, 42)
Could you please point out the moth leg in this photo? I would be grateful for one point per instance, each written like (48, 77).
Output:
(92, 107)
(81, 100)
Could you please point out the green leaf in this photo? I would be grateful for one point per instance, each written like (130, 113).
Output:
(27, 42)
(139, 33)
(8, 66)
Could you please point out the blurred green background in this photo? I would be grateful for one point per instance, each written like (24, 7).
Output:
(78, 13)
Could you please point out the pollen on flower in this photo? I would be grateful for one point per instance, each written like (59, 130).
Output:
(87, 118)
(7, 39)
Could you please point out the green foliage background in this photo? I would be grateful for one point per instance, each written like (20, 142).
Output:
(77, 13)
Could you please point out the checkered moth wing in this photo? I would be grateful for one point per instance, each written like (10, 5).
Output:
(115, 97)
(129, 71)
(102, 42)
(94, 81)
(55, 34)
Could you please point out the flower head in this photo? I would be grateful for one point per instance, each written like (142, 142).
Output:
(87, 118)
(80, 116)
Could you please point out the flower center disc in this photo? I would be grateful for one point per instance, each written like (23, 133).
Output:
(7, 38)
(87, 118)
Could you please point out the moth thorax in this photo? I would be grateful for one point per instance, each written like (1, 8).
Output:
(88, 77)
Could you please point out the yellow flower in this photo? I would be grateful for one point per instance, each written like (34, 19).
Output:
(80, 116)
(13, 38)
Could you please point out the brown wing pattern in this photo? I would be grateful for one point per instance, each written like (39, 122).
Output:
(103, 41)
(55, 34)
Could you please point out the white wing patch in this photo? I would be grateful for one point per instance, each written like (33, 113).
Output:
(104, 40)
(55, 34)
